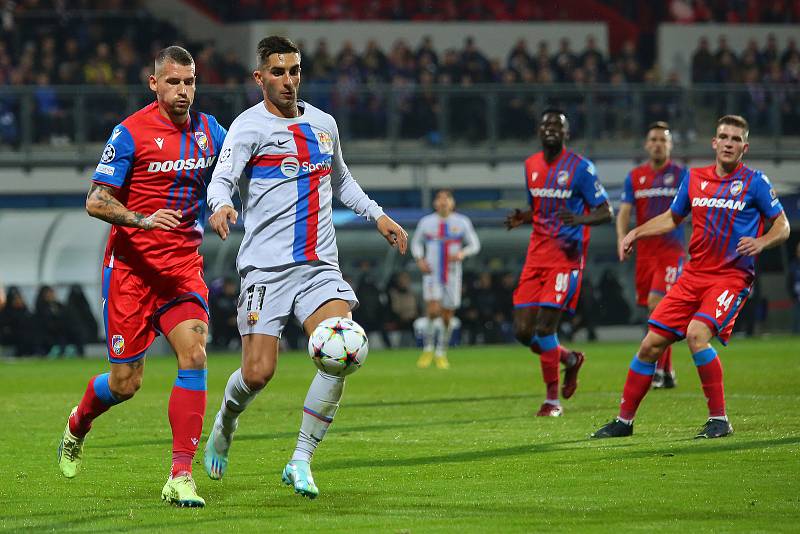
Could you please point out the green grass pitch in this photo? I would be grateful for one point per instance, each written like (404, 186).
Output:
(422, 450)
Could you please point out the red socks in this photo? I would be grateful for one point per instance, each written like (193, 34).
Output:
(96, 400)
(640, 376)
(187, 406)
(709, 367)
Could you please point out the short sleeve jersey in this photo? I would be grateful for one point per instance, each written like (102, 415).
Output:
(724, 210)
(155, 164)
(570, 182)
(651, 192)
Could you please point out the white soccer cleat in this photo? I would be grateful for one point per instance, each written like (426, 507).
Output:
(215, 458)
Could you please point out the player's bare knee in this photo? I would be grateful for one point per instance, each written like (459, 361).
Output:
(651, 348)
(193, 358)
(125, 388)
(257, 375)
(523, 332)
(697, 337)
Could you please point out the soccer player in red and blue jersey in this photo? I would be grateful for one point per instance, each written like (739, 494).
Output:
(730, 205)
(150, 185)
(648, 191)
(565, 197)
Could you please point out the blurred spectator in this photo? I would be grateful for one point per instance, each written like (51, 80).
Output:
(222, 305)
(403, 307)
(17, 324)
(51, 321)
(80, 321)
(613, 306)
(371, 311)
(703, 63)
(794, 288)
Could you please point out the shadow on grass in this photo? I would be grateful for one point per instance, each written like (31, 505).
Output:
(444, 400)
(692, 446)
(459, 457)
(340, 430)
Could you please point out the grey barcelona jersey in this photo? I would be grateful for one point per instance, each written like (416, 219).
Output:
(438, 239)
(293, 168)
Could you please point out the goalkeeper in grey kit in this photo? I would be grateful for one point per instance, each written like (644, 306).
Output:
(289, 153)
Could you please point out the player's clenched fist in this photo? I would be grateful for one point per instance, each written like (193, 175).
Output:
(163, 219)
(514, 219)
(393, 233)
(219, 220)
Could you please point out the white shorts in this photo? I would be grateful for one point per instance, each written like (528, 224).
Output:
(269, 298)
(448, 294)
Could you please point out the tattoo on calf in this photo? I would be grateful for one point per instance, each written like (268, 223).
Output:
(199, 329)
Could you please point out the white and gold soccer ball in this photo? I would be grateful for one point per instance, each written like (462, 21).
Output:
(338, 346)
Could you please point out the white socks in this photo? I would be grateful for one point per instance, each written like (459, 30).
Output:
(236, 398)
(322, 401)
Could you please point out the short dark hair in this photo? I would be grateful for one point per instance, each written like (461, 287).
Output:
(556, 111)
(176, 54)
(735, 120)
(658, 125)
(274, 44)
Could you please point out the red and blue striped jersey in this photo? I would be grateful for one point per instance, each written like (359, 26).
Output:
(570, 182)
(724, 210)
(156, 164)
(651, 192)
(293, 168)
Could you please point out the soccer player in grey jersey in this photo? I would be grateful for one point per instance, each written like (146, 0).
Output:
(441, 242)
(289, 153)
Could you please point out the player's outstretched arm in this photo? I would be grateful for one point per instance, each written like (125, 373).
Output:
(102, 204)
(219, 221)
(658, 225)
(393, 233)
(777, 234)
(517, 218)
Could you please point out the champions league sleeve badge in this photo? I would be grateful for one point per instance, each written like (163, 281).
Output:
(202, 140)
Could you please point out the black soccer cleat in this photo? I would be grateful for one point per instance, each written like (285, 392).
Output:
(614, 429)
(715, 428)
(669, 380)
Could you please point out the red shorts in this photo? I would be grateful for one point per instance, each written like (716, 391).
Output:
(656, 275)
(136, 309)
(548, 287)
(713, 300)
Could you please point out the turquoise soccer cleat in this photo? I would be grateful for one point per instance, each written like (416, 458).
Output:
(297, 473)
(215, 458)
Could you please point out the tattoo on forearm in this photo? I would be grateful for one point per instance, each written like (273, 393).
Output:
(111, 210)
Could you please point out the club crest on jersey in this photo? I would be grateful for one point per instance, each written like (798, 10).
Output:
(290, 167)
(736, 187)
(562, 178)
(117, 344)
(325, 142)
(109, 152)
(669, 178)
(252, 318)
(202, 140)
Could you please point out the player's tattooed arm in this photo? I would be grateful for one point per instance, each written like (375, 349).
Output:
(102, 204)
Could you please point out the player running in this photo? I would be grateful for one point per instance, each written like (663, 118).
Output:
(289, 153)
(441, 242)
(729, 204)
(648, 191)
(150, 185)
(566, 197)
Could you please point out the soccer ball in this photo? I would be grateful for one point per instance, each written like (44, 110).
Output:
(338, 346)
